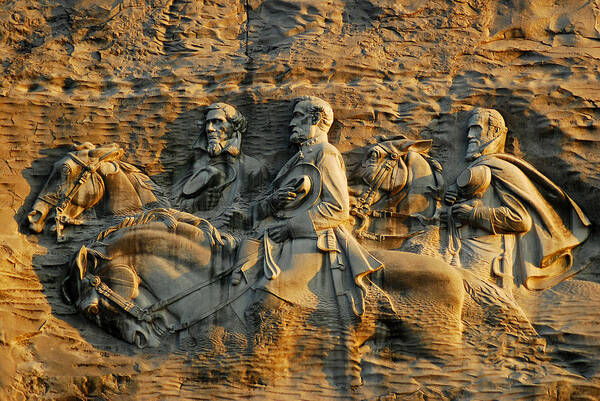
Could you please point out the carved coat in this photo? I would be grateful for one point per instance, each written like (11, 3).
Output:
(321, 265)
(526, 223)
(222, 178)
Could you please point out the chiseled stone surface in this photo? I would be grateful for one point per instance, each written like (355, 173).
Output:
(140, 74)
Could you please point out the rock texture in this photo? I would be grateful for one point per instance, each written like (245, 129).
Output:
(139, 73)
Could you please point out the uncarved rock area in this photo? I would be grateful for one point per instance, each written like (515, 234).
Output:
(140, 72)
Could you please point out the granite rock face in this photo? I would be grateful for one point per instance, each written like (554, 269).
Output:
(141, 73)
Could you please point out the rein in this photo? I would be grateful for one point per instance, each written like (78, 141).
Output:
(362, 232)
(148, 314)
(363, 209)
(366, 199)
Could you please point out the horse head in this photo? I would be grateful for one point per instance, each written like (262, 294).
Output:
(103, 291)
(80, 180)
(383, 172)
(396, 179)
(135, 280)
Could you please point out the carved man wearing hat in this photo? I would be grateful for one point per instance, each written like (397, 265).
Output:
(220, 171)
(505, 214)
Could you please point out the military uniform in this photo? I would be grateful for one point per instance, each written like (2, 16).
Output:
(321, 264)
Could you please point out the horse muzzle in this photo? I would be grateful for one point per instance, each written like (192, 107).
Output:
(140, 335)
(37, 216)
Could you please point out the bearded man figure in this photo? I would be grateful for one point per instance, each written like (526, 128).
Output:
(506, 219)
(301, 223)
(220, 171)
(301, 255)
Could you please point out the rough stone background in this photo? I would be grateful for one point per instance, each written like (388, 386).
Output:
(139, 73)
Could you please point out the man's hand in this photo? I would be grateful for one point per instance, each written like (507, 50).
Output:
(282, 196)
(280, 233)
(237, 219)
(451, 195)
(462, 212)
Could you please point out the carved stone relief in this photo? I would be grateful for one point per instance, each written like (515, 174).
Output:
(506, 217)
(221, 173)
(397, 191)
(86, 176)
(290, 258)
(299, 200)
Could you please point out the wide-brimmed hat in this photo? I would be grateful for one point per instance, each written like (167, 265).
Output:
(208, 177)
(473, 182)
(306, 181)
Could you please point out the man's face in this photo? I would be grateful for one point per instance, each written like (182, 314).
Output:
(480, 138)
(475, 139)
(218, 130)
(301, 124)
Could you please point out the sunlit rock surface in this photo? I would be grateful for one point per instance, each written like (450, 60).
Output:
(140, 73)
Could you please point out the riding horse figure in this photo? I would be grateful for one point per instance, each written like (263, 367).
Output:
(164, 271)
(166, 274)
(397, 190)
(84, 177)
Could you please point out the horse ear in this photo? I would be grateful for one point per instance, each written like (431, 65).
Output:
(387, 138)
(117, 155)
(110, 152)
(420, 146)
(108, 168)
(84, 146)
(81, 262)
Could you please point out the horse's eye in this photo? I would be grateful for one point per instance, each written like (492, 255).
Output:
(374, 155)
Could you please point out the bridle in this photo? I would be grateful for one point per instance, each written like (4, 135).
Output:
(65, 200)
(148, 314)
(362, 209)
(365, 201)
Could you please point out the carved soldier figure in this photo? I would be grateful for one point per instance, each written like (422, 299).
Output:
(302, 254)
(302, 222)
(508, 218)
(220, 171)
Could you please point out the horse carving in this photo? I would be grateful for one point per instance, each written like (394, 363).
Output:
(156, 276)
(397, 191)
(164, 271)
(134, 280)
(83, 178)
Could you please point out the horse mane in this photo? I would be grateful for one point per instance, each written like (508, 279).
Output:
(149, 193)
(136, 176)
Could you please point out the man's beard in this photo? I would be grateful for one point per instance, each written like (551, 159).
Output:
(476, 149)
(298, 137)
(473, 151)
(472, 156)
(215, 147)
